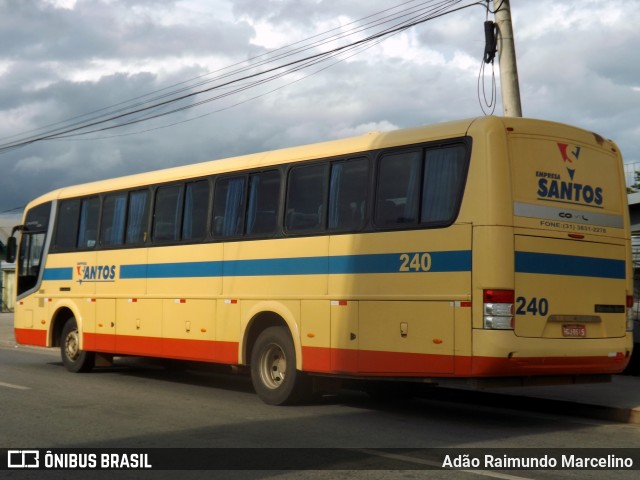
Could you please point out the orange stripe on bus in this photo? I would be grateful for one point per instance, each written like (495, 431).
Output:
(29, 336)
(345, 361)
(369, 362)
(183, 349)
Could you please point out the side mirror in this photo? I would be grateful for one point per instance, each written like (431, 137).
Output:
(12, 249)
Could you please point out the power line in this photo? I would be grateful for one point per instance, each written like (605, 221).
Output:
(74, 137)
(150, 106)
(15, 209)
(438, 9)
(267, 58)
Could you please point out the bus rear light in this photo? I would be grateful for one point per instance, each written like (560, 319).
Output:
(498, 309)
(498, 323)
(630, 313)
(499, 296)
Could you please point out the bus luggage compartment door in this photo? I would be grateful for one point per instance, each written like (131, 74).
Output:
(569, 289)
(406, 337)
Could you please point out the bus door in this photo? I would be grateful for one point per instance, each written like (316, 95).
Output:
(30, 271)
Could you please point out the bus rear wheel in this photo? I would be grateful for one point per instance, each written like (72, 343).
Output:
(273, 369)
(74, 359)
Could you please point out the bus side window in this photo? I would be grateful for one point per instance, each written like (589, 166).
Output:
(113, 215)
(67, 225)
(88, 228)
(196, 206)
(167, 213)
(228, 206)
(137, 218)
(306, 191)
(398, 189)
(348, 194)
(262, 208)
(444, 176)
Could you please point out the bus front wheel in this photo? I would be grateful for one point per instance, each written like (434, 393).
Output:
(273, 369)
(74, 359)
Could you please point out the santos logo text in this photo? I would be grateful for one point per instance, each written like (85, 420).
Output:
(568, 191)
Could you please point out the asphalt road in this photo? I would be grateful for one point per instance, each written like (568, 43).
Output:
(142, 404)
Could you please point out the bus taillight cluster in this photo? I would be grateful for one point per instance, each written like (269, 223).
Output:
(498, 309)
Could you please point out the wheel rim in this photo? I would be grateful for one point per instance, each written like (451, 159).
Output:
(273, 366)
(72, 345)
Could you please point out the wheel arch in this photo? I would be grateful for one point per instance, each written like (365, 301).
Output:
(63, 312)
(270, 314)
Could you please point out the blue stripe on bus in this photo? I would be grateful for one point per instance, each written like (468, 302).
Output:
(276, 266)
(454, 261)
(553, 264)
(64, 273)
(172, 270)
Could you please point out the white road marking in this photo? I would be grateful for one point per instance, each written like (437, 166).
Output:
(16, 387)
(409, 459)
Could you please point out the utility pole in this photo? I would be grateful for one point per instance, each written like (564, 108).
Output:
(509, 84)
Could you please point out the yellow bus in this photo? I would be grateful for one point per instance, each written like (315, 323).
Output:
(485, 249)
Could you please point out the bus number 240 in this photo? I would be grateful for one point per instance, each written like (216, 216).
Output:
(415, 262)
(535, 306)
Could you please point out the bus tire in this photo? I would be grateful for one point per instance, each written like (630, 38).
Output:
(74, 359)
(273, 369)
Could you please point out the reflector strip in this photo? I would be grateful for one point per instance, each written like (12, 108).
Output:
(560, 214)
(466, 304)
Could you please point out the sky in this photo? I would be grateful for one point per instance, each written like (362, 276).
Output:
(578, 63)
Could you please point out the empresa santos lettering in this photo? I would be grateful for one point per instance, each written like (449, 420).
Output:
(569, 191)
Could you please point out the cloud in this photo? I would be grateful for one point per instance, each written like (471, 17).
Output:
(364, 128)
(63, 58)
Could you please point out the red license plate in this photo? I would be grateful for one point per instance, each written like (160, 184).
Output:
(574, 330)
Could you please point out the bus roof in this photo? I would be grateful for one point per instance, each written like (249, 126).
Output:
(362, 143)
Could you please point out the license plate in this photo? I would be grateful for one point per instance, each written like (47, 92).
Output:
(574, 330)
